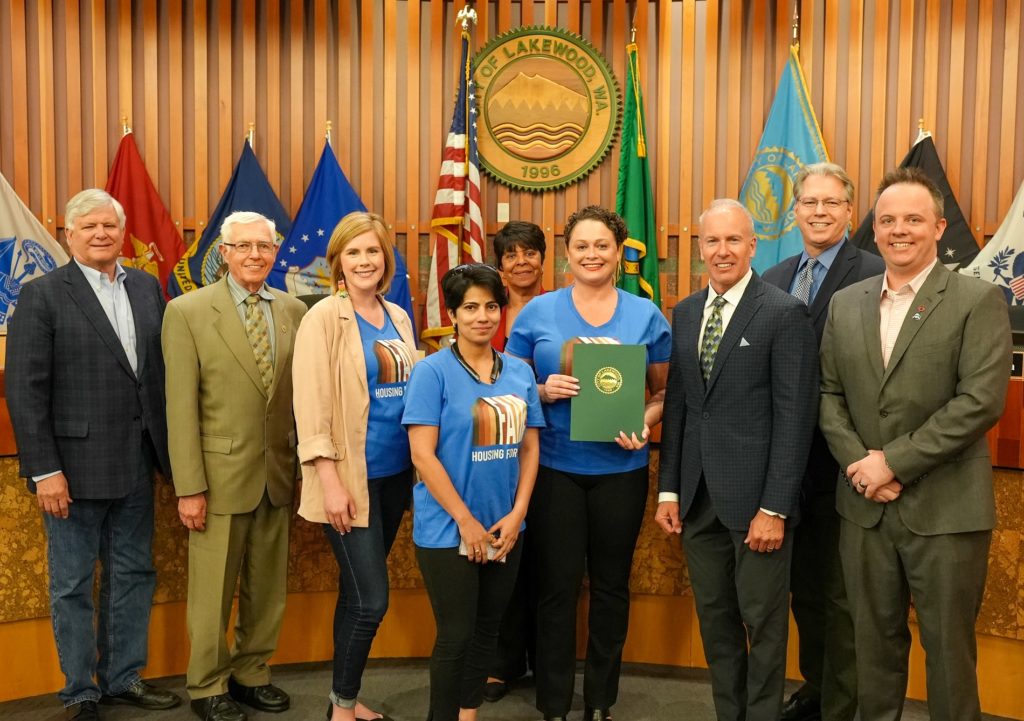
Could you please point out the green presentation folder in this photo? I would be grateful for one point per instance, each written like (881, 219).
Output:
(612, 384)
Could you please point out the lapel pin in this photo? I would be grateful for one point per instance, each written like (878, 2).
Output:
(916, 316)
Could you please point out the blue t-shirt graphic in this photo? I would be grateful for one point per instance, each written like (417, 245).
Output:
(546, 331)
(480, 427)
(388, 365)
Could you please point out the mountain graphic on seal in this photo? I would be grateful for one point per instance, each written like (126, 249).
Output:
(537, 118)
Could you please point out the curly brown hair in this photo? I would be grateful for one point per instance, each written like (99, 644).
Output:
(611, 220)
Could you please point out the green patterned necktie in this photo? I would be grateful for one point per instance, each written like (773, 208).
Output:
(712, 339)
(259, 339)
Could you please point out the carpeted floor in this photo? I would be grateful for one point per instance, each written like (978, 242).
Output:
(399, 688)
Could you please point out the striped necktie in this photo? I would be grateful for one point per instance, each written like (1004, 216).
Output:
(259, 339)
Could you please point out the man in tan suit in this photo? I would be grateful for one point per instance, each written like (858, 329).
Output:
(914, 367)
(228, 349)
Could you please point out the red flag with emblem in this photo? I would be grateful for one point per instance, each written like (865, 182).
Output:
(152, 241)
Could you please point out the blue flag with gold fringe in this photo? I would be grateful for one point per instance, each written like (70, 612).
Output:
(301, 267)
(791, 140)
(248, 189)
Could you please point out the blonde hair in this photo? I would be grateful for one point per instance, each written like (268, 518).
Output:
(352, 225)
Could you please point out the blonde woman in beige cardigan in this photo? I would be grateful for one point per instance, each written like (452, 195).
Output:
(353, 355)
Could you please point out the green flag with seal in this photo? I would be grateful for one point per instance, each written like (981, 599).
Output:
(634, 200)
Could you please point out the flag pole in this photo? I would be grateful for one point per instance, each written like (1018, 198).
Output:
(251, 135)
(327, 134)
(124, 126)
(795, 42)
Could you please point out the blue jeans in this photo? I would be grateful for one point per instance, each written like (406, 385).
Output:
(362, 557)
(109, 642)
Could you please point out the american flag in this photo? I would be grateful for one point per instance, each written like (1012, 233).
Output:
(456, 224)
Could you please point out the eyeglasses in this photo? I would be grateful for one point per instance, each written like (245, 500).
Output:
(829, 203)
(245, 247)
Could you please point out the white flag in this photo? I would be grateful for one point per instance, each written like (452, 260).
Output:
(27, 250)
(1001, 261)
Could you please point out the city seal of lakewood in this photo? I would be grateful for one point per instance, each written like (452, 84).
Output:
(548, 107)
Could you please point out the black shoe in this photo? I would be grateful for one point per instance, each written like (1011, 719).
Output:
(84, 711)
(143, 695)
(267, 697)
(801, 708)
(597, 714)
(218, 708)
(495, 691)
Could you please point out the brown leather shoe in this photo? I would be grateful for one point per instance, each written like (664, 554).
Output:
(143, 695)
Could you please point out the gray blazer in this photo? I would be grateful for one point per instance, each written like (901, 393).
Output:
(929, 409)
(76, 405)
(746, 433)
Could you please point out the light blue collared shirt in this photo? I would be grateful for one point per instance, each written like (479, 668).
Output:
(114, 300)
(239, 294)
(818, 272)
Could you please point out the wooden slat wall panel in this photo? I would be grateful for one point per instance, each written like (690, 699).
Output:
(384, 74)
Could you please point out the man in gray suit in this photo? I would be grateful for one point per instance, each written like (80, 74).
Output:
(824, 207)
(85, 386)
(914, 371)
(740, 409)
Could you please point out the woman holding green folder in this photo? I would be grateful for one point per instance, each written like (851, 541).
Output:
(589, 500)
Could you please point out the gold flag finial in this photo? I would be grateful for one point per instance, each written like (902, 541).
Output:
(796, 24)
(251, 135)
(327, 134)
(466, 17)
(632, 26)
(124, 126)
(921, 132)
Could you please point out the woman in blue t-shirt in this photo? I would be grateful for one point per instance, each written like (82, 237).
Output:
(354, 352)
(589, 501)
(472, 415)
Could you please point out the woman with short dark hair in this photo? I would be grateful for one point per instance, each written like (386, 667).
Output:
(519, 249)
(472, 415)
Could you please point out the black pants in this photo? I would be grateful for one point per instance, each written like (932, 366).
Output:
(822, 612)
(742, 601)
(468, 600)
(580, 522)
(517, 639)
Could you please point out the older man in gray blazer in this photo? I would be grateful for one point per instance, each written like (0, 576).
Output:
(85, 386)
(914, 371)
(740, 409)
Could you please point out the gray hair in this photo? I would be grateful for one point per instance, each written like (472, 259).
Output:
(720, 205)
(825, 170)
(89, 201)
(244, 217)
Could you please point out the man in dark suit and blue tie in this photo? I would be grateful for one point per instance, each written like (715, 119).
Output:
(824, 207)
(914, 369)
(85, 387)
(740, 410)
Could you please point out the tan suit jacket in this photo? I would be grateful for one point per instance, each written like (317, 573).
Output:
(332, 402)
(929, 409)
(228, 436)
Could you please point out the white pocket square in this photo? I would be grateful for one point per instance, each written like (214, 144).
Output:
(743, 342)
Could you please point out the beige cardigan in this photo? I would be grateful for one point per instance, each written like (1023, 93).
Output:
(332, 402)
